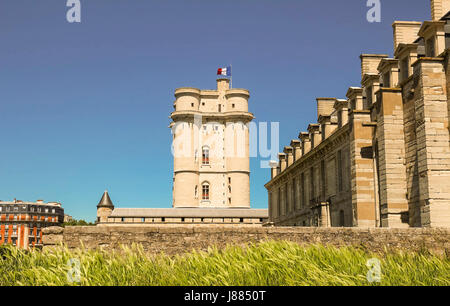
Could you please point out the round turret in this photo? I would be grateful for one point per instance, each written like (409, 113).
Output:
(187, 99)
(104, 208)
(237, 100)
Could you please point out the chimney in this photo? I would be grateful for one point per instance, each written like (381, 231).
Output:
(327, 126)
(389, 72)
(439, 8)
(341, 107)
(405, 32)
(273, 169)
(355, 96)
(283, 161)
(289, 155)
(306, 142)
(297, 145)
(314, 135)
(325, 106)
(370, 62)
(223, 84)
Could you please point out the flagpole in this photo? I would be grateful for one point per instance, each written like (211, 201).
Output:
(231, 76)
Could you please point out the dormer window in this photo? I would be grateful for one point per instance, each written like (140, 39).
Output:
(369, 99)
(387, 80)
(429, 47)
(404, 68)
(323, 132)
(339, 115)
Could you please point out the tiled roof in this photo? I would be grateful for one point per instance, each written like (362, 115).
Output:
(190, 212)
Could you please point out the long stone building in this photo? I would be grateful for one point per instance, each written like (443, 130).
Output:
(380, 157)
(211, 181)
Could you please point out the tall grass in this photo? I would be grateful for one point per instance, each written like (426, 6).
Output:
(266, 264)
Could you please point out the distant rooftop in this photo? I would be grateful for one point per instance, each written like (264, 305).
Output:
(38, 202)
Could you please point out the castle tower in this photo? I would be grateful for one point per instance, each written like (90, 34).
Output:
(211, 147)
(104, 208)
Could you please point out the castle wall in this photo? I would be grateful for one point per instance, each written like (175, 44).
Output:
(433, 149)
(390, 153)
(411, 162)
(181, 239)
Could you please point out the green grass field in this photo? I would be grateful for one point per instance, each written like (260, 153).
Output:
(265, 264)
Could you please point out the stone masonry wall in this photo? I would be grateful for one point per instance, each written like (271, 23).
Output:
(363, 187)
(412, 169)
(433, 152)
(181, 239)
(391, 160)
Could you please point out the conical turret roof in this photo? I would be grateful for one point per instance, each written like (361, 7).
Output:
(105, 200)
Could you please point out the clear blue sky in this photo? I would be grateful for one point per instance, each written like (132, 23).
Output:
(84, 107)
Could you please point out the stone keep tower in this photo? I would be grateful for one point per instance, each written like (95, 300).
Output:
(211, 147)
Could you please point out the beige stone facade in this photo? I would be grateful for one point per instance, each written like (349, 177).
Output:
(381, 157)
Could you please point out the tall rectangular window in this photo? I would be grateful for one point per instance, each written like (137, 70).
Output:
(205, 192)
(429, 47)
(340, 170)
(323, 134)
(279, 203)
(322, 179)
(294, 194)
(271, 205)
(205, 156)
(339, 118)
(303, 190)
(286, 200)
(404, 68)
(311, 181)
(387, 80)
(369, 98)
(341, 218)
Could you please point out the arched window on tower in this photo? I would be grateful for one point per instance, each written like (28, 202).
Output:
(205, 156)
(205, 191)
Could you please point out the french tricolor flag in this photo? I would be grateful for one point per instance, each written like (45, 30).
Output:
(224, 71)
